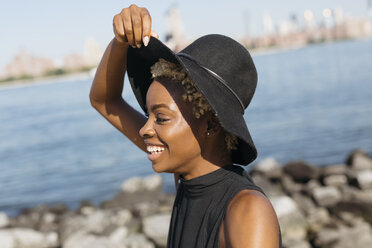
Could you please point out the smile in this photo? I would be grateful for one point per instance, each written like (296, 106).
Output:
(155, 149)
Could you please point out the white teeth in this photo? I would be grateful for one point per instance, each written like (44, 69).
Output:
(155, 149)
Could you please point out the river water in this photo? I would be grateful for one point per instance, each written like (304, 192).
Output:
(312, 103)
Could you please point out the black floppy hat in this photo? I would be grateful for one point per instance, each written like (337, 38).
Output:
(222, 70)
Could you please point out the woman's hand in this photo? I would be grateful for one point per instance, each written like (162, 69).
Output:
(133, 26)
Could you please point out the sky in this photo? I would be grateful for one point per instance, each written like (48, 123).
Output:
(55, 28)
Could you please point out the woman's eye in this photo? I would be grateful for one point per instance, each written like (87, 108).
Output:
(161, 120)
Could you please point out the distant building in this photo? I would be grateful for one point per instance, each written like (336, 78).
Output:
(369, 9)
(175, 38)
(268, 24)
(24, 63)
(309, 20)
(92, 52)
(73, 62)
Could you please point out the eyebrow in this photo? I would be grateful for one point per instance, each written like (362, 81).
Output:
(161, 105)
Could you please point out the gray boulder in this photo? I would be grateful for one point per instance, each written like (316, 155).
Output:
(364, 179)
(305, 203)
(326, 196)
(4, 220)
(359, 236)
(136, 184)
(300, 171)
(309, 187)
(27, 238)
(156, 227)
(97, 222)
(137, 240)
(271, 189)
(337, 169)
(318, 218)
(290, 186)
(269, 167)
(292, 222)
(86, 240)
(6, 239)
(296, 243)
(359, 160)
(335, 180)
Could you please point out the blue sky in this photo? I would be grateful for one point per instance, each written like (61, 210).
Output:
(55, 28)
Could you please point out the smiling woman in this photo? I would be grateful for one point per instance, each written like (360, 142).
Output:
(194, 102)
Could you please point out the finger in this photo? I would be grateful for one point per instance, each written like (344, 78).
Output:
(128, 28)
(119, 38)
(154, 34)
(137, 27)
(118, 28)
(146, 26)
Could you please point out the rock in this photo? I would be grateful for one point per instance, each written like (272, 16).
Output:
(149, 183)
(70, 225)
(326, 196)
(359, 236)
(122, 217)
(27, 238)
(295, 243)
(137, 190)
(318, 218)
(359, 160)
(6, 239)
(144, 209)
(289, 186)
(303, 202)
(153, 182)
(156, 227)
(326, 237)
(87, 210)
(358, 206)
(300, 171)
(310, 186)
(119, 235)
(269, 167)
(337, 169)
(132, 185)
(293, 223)
(364, 178)
(270, 189)
(97, 222)
(363, 195)
(84, 240)
(4, 220)
(138, 241)
(348, 192)
(335, 180)
(350, 219)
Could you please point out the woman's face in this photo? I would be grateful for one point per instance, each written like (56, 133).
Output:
(171, 132)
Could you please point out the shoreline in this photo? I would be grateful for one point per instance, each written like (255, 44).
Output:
(317, 207)
(44, 80)
(254, 52)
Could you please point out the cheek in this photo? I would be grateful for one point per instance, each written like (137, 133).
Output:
(182, 141)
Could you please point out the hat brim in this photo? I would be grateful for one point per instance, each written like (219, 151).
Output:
(225, 105)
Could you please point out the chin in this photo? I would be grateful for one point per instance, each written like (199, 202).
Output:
(160, 167)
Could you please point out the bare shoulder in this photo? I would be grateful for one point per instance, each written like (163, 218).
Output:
(251, 221)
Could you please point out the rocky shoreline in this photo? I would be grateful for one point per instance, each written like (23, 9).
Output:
(321, 207)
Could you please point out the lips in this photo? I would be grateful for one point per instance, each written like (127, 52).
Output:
(154, 151)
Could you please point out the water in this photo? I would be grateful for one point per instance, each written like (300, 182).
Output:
(313, 103)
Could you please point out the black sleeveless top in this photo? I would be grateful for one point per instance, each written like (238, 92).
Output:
(200, 206)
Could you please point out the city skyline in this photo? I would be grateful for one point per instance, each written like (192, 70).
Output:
(54, 30)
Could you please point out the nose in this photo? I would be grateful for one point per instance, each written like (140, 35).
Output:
(147, 129)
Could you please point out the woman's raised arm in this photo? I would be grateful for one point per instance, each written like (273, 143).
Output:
(132, 27)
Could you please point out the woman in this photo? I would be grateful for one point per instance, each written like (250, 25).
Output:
(194, 101)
